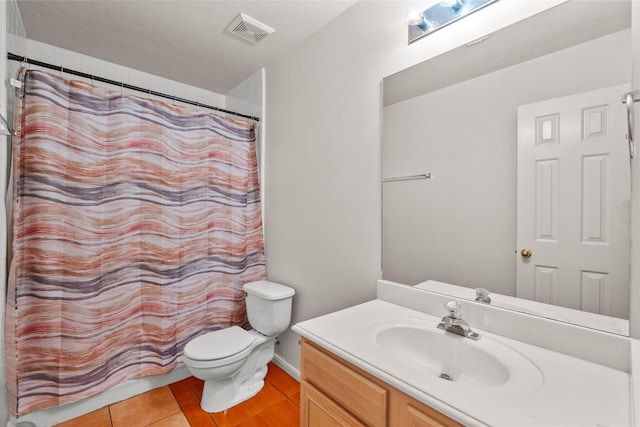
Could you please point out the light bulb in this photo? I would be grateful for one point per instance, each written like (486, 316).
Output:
(417, 19)
(453, 4)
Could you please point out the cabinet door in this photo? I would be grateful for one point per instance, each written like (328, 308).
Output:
(364, 396)
(335, 393)
(318, 410)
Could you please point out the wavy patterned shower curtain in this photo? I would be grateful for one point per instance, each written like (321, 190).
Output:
(135, 225)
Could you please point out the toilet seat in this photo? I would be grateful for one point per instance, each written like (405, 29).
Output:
(219, 347)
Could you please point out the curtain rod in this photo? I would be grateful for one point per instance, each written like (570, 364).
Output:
(14, 57)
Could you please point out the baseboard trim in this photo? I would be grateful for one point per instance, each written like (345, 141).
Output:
(285, 366)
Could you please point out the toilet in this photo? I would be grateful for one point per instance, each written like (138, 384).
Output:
(232, 362)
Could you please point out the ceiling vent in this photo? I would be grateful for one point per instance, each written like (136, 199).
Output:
(249, 29)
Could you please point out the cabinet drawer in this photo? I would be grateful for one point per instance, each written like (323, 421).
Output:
(427, 417)
(364, 398)
(408, 412)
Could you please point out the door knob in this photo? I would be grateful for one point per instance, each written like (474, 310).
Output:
(526, 253)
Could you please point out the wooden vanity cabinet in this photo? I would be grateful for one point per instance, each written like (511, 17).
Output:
(333, 392)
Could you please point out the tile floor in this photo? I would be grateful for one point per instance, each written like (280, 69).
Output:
(178, 405)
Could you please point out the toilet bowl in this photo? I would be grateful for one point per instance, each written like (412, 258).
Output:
(232, 361)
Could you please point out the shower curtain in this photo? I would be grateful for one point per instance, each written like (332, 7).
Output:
(135, 225)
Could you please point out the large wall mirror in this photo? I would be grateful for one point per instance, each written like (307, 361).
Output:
(506, 167)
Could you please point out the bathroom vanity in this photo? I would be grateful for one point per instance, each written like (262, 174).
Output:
(327, 379)
(386, 363)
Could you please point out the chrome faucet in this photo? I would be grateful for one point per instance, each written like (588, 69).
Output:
(456, 324)
(482, 295)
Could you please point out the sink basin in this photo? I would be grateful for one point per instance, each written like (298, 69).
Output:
(423, 350)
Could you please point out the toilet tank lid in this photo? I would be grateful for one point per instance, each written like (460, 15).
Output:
(268, 290)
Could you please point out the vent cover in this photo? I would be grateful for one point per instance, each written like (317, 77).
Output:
(249, 29)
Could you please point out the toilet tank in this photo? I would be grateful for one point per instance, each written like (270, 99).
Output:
(268, 306)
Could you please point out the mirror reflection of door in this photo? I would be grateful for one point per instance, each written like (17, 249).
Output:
(455, 116)
(573, 202)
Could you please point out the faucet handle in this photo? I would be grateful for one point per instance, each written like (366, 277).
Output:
(482, 295)
(454, 308)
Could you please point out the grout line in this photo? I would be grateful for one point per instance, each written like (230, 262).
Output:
(279, 389)
(169, 416)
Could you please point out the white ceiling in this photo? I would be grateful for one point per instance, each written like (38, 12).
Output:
(181, 40)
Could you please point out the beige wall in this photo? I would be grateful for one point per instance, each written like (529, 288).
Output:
(323, 144)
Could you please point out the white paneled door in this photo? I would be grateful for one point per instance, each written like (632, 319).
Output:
(574, 196)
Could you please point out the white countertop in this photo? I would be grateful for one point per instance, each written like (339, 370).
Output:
(573, 392)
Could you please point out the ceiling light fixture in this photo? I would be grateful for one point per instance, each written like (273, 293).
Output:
(441, 14)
